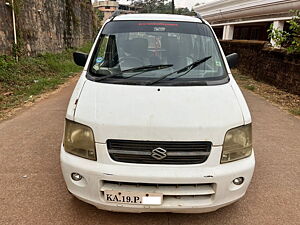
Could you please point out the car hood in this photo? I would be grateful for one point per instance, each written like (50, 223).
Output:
(131, 112)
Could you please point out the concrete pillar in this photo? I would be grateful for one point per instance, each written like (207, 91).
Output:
(228, 32)
(278, 24)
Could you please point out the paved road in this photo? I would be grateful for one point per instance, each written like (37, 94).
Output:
(29, 146)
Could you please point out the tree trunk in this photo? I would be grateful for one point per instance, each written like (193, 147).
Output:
(173, 7)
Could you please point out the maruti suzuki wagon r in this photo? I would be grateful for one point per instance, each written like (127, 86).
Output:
(157, 122)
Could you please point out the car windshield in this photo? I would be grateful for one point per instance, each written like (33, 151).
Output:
(147, 52)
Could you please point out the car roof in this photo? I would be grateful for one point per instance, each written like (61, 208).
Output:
(161, 17)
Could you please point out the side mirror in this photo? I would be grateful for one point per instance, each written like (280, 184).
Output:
(232, 59)
(80, 58)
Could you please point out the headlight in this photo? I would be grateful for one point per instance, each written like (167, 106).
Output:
(237, 144)
(79, 140)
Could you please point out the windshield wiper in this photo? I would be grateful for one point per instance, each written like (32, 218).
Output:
(185, 69)
(141, 69)
(149, 68)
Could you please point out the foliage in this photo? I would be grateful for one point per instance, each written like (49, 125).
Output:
(184, 11)
(20, 81)
(151, 6)
(18, 4)
(288, 39)
(250, 87)
(18, 49)
(295, 111)
(159, 6)
(99, 14)
(278, 36)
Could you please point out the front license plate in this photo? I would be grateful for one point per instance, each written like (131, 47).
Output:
(133, 198)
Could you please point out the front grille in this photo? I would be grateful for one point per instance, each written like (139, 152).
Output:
(168, 152)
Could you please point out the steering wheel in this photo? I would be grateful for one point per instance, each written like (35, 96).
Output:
(130, 62)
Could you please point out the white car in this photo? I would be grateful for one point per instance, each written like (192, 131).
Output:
(156, 122)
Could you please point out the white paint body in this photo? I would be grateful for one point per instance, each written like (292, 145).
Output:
(129, 112)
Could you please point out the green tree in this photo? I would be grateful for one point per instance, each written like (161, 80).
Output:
(100, 15)
(160, 6)
(149, 6)
(288, 39)
(184, 11)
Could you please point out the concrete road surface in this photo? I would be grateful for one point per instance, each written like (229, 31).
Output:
(32, 190)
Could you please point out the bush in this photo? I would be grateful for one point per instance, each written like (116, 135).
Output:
(289, 40)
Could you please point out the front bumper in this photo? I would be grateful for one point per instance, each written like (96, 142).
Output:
(217, 177)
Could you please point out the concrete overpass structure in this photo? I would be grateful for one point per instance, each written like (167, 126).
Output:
(247, 19)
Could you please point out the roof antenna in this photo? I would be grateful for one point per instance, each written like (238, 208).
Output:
(198, 15)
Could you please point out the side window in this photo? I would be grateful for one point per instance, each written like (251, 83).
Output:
(99, 60)
(103, 46)
(107, 55)
(111, 58)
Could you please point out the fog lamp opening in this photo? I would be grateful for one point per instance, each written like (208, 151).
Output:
(238, 180)
(76, 176)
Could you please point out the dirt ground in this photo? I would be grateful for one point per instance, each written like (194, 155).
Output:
(280, 98)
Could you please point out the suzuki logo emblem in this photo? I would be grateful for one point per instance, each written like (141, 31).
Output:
(159, 153)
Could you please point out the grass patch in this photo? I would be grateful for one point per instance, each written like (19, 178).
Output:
(250, 87)
(31, 76)
(295, 111)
